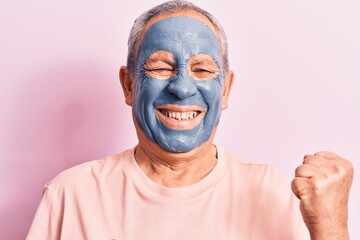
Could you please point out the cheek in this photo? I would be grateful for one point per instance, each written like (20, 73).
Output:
(149, 89)
(211, 90)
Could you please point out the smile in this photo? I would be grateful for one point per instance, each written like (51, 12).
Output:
(178, 117)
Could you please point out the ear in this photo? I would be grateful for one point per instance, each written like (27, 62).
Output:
(127, 85)
(226, 90)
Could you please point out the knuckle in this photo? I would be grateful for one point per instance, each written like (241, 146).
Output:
(298, 170)
(337, 170)
(349, 166)
(344, 167)
(320, 153)
(308, 160)
(317, 187)
(313, 160)
(326, 154)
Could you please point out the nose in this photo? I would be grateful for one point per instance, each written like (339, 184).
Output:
(182, 86)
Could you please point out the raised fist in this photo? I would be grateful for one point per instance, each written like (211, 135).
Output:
(322, 183)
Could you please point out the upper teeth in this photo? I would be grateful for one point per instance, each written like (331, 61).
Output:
(180, 115)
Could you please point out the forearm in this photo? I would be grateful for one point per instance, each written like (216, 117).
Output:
(330, 232)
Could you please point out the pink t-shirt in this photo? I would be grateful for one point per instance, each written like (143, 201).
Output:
(112, 199)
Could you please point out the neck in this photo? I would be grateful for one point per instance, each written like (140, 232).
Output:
(176, 169)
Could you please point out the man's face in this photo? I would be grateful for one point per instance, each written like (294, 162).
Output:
(178, 83)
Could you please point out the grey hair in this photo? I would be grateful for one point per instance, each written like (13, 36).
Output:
(171, 6)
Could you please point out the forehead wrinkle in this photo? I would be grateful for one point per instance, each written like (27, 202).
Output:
(178, 13)
(183, 43)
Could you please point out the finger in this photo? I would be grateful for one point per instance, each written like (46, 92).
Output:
(294, 187)
(299, 186)
(305, 170)
(327, 155)
(335, 160)
(315, 160)
(307, 156)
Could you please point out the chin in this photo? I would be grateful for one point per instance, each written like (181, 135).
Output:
(175, 142)
(178, 148)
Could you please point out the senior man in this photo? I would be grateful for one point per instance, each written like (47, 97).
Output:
(175, 184)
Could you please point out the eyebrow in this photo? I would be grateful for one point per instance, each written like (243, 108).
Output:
(160, 59)
(200, 61)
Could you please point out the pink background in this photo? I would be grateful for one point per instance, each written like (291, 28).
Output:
(297, 89)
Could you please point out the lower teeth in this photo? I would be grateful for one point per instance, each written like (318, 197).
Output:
(177, 117)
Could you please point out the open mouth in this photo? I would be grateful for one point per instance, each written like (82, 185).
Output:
(180, 117)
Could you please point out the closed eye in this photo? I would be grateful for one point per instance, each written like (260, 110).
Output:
(158, 69)
(202, 67)
(160, 65)
(202, 70)
(160, 73)
(203, 73)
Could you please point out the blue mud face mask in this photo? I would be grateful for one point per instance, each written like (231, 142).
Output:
(182, 38)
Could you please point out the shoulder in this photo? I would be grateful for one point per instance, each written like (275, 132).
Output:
(89, 173)
(256, 170)
(261, 177)
(262, 187)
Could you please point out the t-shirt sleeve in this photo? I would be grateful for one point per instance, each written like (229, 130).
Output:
(46, 224)
(283, 206)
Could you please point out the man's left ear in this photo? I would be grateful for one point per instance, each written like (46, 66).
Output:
(227, 88)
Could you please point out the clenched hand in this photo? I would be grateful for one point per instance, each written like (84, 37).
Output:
(322, 183)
